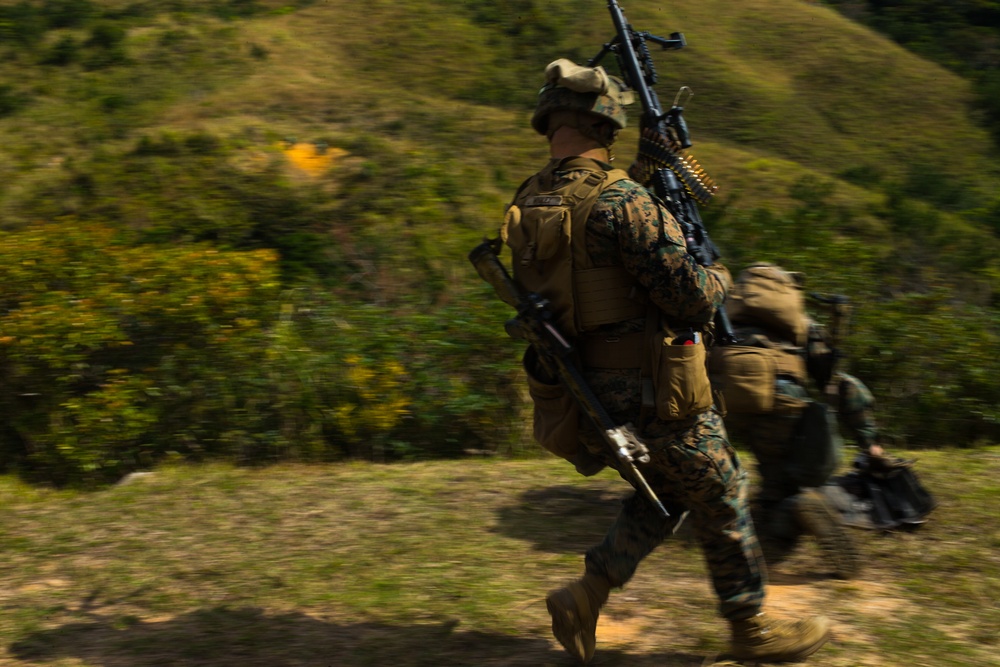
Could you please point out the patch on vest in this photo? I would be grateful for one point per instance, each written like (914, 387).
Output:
(544, 200)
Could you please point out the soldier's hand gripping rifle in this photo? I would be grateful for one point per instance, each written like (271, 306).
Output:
(534, 323)
(677, 179)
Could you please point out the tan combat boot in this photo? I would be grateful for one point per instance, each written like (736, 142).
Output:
(763, 639)
(574, 609)
(819, 518)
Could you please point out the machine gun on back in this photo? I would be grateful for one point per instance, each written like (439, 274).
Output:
(677, 179)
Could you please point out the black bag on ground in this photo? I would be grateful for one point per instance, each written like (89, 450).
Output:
(881, 497)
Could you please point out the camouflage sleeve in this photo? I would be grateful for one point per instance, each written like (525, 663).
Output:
(629, 227)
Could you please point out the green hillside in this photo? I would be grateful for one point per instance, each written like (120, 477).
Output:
(370, 146)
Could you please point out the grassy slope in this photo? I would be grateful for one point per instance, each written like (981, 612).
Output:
(789, 80)
(783, 89)
(781, 81)
(445, 564)
(443, 91)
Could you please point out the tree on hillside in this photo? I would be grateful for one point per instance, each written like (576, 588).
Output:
(962, 35)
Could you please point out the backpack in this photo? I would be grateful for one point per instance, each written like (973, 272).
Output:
(766, 296)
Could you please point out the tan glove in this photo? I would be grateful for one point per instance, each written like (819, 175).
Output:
(653, 147)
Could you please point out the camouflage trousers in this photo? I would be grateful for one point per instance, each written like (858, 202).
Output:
(692, 467)
(769, 436)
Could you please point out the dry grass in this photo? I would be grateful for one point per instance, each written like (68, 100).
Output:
(445, 564)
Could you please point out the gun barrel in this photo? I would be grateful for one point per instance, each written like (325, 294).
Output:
(630, 65)
(628, 46)
(829, 299)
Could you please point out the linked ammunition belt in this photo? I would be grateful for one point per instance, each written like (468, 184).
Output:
(698, 184)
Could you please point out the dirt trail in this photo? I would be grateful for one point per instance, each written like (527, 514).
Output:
(629, 624)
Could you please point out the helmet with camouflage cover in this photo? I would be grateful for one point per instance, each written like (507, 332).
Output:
(580, 90)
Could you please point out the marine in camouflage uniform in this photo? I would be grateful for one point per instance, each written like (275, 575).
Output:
(784, 509)
(692, 466)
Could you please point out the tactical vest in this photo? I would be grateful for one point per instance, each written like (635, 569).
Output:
(545, 228)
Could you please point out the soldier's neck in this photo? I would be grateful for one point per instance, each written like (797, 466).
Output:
(567, 142)
(599, 154)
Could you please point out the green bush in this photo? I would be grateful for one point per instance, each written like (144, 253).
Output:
(916, 351)
(113, 356)
(68, 13)
(11, 101)
(107, 47)
(180, 188)
(64, 52)
(22, 24)
(103, 343)
(107, 36)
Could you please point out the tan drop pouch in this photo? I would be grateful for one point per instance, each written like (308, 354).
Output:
(556, 413)
(745, 376)
(680, 378)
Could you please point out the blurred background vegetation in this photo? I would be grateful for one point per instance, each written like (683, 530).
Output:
(238, 228)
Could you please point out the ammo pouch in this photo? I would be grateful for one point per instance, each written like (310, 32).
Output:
(680, 378)
(556, 413)
(747, 377)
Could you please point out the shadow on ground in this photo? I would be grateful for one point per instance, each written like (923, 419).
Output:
(566, 519)
(249, 637)
(561, 519)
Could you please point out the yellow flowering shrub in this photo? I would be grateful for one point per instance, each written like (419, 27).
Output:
(312, 159)
(102, 343)
(377, 403)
